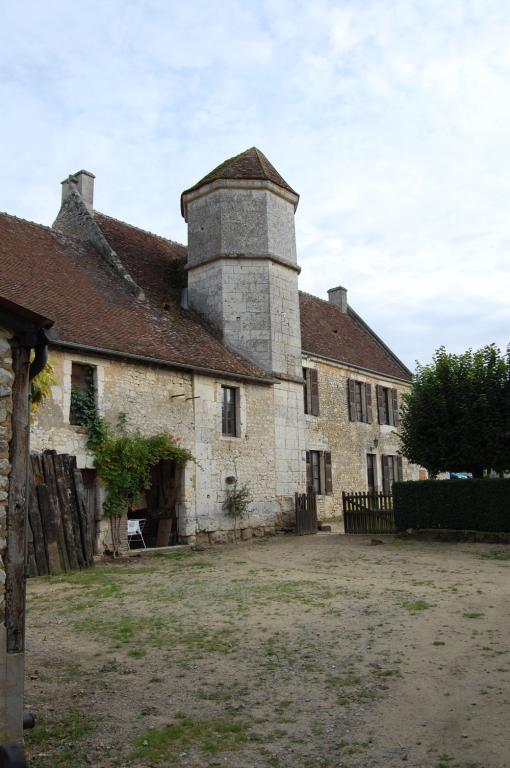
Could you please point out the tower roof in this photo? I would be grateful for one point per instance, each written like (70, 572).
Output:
(250, 165)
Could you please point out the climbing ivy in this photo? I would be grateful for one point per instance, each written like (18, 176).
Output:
(123, 461)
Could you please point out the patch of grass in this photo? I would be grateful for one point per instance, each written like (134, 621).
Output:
(346, 681)
(438, 642)
(473, 615)
(210, 737)
(415, 606)
(61, 742)
(496, 554)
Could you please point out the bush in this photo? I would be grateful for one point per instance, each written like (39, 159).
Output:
(466, 505)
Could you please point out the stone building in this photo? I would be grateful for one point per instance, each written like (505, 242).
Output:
(20, 331)
(213, 343)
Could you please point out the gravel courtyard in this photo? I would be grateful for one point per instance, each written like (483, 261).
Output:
(287, 652)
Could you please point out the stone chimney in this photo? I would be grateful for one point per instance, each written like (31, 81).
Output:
(338, 297)
(83, 183)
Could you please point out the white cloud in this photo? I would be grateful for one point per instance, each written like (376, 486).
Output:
(390, 117)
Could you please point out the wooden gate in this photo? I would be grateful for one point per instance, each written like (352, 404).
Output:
(368, 513)
(306, 513)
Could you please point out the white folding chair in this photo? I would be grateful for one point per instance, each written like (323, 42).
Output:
(135, 532)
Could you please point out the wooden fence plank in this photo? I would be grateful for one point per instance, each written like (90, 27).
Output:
(81, 502)
(37, 530)
(69, 463)
(368, 513)
(64, 493)
(49, 521)
(51, 484)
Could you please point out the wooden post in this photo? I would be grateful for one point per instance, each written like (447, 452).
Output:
(16, 525)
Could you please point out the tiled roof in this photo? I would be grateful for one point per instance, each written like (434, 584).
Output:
(249, 165)
(63, 278)
(328, 332)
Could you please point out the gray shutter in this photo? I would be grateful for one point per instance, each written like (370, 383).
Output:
(306, 388)
(309, 479)
(386, 473)
(380, 404)
(351, 399)
(314, 386)
(400, 473)
(394, 407)
(368, 392)
(328, 479)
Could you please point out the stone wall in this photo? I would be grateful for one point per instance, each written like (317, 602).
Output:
(349, 441)
(146, 394)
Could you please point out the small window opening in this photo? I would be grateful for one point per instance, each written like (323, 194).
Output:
(83, 394)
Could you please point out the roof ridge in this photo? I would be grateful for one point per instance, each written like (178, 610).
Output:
(140, 229)
(27, 221)
(364, 327)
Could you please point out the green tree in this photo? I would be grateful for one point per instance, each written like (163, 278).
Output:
(457, 415)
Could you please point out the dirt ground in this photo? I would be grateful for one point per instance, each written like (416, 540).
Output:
(286, 652)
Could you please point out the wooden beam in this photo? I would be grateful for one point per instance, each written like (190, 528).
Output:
(17, 503)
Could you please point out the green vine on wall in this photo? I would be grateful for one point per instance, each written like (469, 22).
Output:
(124, 461)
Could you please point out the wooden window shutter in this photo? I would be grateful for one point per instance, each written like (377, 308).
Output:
(328, 479)
(368, 392)
(314, 386)
(306, 389)
(381, 406)
(351, 399)
(309, 479)
(400, 473)
(394, 407)
(386, 473)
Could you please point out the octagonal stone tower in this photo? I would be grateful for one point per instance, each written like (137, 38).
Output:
(242, 277)
(242, 266)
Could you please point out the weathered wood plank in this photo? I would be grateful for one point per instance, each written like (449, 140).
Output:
(49, 521)
(51, 484)
(64, 494)
(81, 501)
(69, 463)
(37, 530)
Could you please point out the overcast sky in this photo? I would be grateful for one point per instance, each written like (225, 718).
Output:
(390, 118)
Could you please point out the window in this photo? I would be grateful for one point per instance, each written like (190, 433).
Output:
(391, 471)
(318, 472)
(311, 391)
(359, 397)
(83, 393)
(229, 411)
(371, 473)
(387, 405)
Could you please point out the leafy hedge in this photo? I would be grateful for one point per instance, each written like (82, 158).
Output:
(474, 505)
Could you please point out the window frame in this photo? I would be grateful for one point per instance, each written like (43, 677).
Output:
(92, 386)
(359, 401)
(230, 418)
(393, 461)
(311, 391)
(321, 480)
(387, 406)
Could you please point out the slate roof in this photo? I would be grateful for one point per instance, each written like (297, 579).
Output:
(345, 337)
(250, 165)
(62, 277)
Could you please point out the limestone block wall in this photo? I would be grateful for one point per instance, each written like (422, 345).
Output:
(349, 441)
(248, 457)
(290, 444)
(147, 395)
